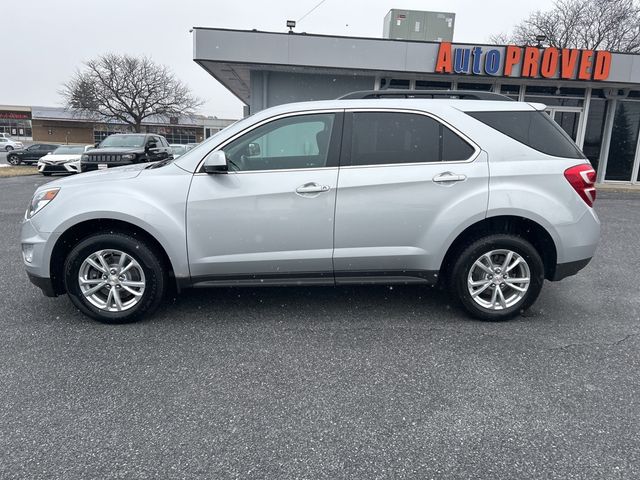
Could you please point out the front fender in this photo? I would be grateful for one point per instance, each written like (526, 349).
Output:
(154, 202)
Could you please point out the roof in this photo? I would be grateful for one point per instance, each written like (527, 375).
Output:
(230, 56)
(63, 114)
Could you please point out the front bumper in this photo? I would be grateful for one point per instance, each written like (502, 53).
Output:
(43, 283)
(36, 255)
(92, 166)
(58, 167)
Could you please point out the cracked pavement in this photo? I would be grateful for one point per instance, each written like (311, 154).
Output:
(358, 382)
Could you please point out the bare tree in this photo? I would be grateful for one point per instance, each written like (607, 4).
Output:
(128, 89)
(588, 24)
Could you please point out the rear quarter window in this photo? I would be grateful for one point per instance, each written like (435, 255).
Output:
(532, 128)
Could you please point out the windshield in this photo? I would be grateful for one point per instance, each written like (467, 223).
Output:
(123, 141)
(69, 150)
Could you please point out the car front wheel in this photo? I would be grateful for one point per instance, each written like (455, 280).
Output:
(497, 277)
(114, 277)
(8, 148)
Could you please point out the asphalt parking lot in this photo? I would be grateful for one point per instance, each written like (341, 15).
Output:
(366, 382)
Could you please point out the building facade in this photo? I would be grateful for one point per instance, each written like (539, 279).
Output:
(59, 125)
(593, 96)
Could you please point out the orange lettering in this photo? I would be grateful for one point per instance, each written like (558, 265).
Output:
(512, 57)
(569, 59)
(443, 64)
(530, 63)
(586, 64)
(603, 66)
(549, 65)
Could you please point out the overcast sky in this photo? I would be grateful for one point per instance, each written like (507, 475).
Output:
(44, 41)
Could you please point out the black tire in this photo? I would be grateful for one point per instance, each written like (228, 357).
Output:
(468, 255)
(13, 159)
(146, 256)
(8, 148)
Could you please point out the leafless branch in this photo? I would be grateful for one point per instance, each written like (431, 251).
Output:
(128, 89)
(590, 24)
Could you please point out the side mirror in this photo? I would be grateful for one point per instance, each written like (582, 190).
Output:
(253, 150)
(152, 145)
(96, 145)
(216, 162)
(49, 153)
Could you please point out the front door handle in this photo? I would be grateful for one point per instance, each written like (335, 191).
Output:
(310, 188)
(449, 177)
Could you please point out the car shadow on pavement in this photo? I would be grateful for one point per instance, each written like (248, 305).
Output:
(315, 304)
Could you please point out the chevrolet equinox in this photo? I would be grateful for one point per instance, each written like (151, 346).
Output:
(485, 196)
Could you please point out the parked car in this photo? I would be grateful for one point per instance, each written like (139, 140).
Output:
(179, 149)
(126, 149)
(487, 197)
(30, 155)
(64, 159)
(7, 144)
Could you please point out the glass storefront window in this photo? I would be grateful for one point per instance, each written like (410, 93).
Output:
(624, 141)
(394, 83)
(484, 87)
(15, 127)
(594, 130)
(512, 91)
(554, 96)
(432, 85)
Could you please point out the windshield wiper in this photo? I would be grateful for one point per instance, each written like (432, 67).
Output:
(161, 163)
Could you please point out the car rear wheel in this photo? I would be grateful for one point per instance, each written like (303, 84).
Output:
(13, 159)
(497, 277)
(114, 277)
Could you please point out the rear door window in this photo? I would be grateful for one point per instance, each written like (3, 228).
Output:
(532, 128)
(382, 138)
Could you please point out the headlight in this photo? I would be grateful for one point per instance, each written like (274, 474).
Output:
(129, 156)
(84, 157)
(40, 200)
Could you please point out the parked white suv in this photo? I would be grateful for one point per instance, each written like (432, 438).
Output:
(488, 197)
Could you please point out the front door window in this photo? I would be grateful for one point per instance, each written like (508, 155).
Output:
(292, 142)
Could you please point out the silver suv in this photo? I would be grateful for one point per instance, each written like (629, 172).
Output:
(486, 197)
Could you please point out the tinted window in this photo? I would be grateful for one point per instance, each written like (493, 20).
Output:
(380, 138)
(123, 141)
(534, 129)
(69, 150)
(453, 147)
(292, 142)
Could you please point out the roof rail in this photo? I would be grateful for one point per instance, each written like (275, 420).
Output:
(398, 93)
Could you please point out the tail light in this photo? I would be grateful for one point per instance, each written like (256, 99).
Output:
(583, 179)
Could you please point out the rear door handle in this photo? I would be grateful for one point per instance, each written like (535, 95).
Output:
(449, 177)
(312, 188)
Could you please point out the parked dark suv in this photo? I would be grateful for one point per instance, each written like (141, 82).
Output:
(126, 149)
(31, 154)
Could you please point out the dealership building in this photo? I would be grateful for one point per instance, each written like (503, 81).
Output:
(593, 96)
(60, 125)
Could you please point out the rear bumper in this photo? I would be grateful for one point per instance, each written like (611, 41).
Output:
(564, 270)
(44, 284)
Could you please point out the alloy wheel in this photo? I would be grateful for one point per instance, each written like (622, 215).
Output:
(499, 279)
(111, 280)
